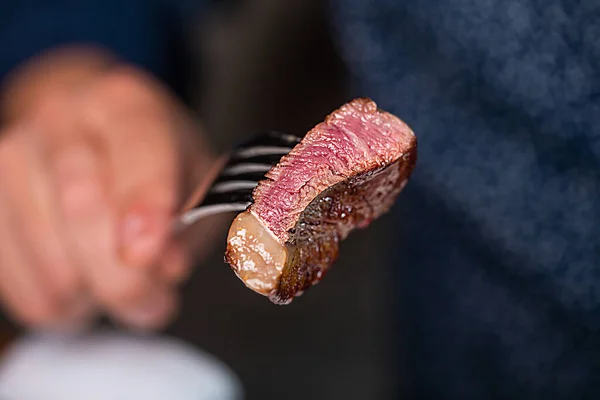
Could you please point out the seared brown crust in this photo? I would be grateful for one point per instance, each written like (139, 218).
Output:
(348, 152)
(314, 242)
(348, 171)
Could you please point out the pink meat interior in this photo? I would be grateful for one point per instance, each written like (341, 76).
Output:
(353, 139)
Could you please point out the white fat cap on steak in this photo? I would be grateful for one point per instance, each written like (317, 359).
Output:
(258, 257)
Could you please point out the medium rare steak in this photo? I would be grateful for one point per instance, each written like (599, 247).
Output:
(347, 171)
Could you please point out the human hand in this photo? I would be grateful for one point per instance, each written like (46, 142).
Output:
(95, 160)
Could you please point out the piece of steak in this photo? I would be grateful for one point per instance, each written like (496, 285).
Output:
(347, 171)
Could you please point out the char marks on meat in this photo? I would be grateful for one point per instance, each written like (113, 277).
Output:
(346, 172)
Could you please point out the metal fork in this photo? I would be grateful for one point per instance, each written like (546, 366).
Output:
(246, 165)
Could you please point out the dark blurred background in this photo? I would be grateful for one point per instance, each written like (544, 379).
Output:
(272, 64)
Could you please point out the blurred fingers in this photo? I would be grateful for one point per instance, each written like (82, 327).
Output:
(29, 289)
(140, 140)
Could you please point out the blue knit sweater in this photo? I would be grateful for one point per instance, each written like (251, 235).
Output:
(502, 255)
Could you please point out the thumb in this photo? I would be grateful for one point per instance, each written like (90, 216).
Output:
(153, 159)
(145, 171)
(155, 179)
(135, 128)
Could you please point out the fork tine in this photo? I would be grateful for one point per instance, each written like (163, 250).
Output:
(252, 159)
(272, 143)
(271, 138)
(255, 151)
(270, 158)
(232, 186)
(192, 216)
(246, 166)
